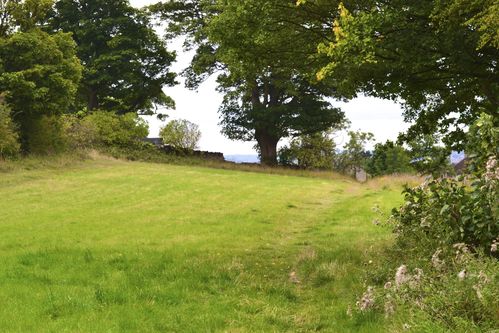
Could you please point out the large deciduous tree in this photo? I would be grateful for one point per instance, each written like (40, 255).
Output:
(126, 63)
(39, 72)
(439, 57)
(263, 52)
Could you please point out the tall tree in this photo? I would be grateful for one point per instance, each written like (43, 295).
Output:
(438, 57)
(39, 72)
(126, 65)
(262, 53)
(389, 158)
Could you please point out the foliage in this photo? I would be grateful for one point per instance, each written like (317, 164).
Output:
(22, 14)
(117, 130)
(428, 157)
(46, 135)
(389, 158)
(439, 57)
(451, 212)
(354, 155)
(269, 93)
(39, 73)
(457, 210)
(181, 134)
(483, 141)
(80, 132)
(447, 290)
(9, 139)
(126, 63)
(313, 151)
(443, 267)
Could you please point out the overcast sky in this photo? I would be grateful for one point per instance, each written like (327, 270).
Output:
(381, 117)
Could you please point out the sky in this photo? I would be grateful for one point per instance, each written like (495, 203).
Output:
(383, 118)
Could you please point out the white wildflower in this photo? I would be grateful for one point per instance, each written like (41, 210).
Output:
(401, 276)
(349, 311)
(367, 300)
(491, 169)
(461, 247)
(436, 261)
(424, 223)
(478, 291)
(389, 307)
(416, 278)
(493, 247)
(388, 285)
(483, 278)
(461, 251)
(462, 275)
(406, 327)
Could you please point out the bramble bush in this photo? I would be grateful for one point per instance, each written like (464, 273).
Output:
(462, 209)
(443, 269)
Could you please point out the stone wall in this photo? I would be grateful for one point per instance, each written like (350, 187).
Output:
(196, 153)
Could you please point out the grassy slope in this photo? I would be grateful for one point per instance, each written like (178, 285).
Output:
(117, 246)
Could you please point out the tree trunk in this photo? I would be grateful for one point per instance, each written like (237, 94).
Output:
(93, 102)
(267, 143)
(268, 147)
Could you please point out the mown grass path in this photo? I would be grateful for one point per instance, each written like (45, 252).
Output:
(111, 246)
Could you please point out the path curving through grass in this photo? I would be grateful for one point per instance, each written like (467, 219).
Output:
(113, 246)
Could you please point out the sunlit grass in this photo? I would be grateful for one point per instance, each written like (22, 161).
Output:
(107, 245)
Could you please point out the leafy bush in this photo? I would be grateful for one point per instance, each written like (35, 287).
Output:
(80, 133)
(354, 155)
(116, 130)
(44, 135)
(428, 157)
(313, 151)
(463, 209)
(452, 211)
(389, 158)
(9, 140)
(181, 134)
(444, 266)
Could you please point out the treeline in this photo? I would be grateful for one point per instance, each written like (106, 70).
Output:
(70, 69)
(319, 151)
(276, 63)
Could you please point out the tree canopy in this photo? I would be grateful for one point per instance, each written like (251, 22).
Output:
(181, 134)
(126, 65)
(437, 57)
(39, 72)
(263, 53)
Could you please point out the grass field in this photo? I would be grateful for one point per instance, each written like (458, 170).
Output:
(113, 246)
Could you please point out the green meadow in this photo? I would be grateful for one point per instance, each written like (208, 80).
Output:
(114, 246)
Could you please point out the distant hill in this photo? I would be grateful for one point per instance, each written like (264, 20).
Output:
(455, 157)
(242, 158)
